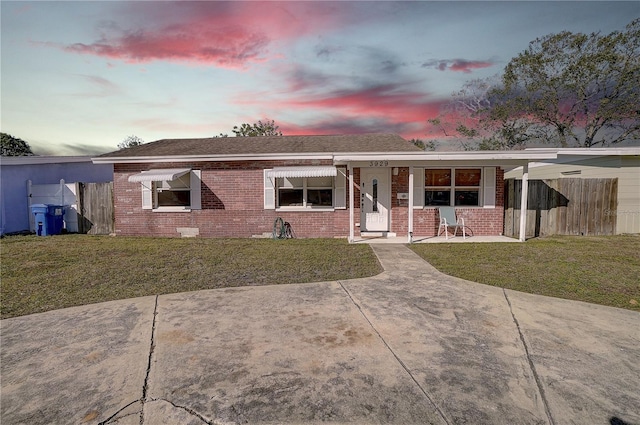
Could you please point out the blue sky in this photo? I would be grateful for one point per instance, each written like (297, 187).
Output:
(79, 77)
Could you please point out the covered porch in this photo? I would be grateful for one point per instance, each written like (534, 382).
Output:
(411, 196)
(434, 239)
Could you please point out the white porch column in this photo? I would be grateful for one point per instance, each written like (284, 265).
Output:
(523, 201)
(410, 222)
(351, 195)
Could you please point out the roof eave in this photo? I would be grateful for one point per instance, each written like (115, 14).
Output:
(448, 156)
(209, 158)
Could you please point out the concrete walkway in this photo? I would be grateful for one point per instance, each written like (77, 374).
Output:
(409, 346)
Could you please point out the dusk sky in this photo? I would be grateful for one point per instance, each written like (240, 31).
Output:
(79, 77)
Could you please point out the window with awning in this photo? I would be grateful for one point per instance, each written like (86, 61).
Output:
(167, 174)
(305, 187)
(169, 189)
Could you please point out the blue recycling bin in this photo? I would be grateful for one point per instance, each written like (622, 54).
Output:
(48, 219)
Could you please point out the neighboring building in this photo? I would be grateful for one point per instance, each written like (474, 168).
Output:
(18, 174)
(620, 163)
(324, 186)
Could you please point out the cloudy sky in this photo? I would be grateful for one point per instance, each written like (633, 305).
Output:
(79, 77)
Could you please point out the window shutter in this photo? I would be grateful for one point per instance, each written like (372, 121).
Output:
(269, 193)
(340, 191)
(489, 189)
(418, 187)
(195, 185)
(147, 195)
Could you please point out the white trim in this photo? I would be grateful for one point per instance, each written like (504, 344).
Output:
(35, 159)
(340, 190)
(211, 158)
(195, 188)
(410, 206)
(523, 203)
(418, 188)
(344, 157)
(269, 191)
(351, 199)
(618, 151)
(489, 187)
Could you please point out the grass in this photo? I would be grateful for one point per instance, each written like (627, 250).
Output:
(46, 273)
(40, 274)
(600, 270)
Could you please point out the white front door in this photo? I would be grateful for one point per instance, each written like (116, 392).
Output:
(375, 199)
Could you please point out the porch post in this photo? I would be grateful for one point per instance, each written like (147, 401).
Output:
(523, 201)
(351, 195)
(410, 222)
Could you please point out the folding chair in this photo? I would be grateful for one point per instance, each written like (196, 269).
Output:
(448, 220)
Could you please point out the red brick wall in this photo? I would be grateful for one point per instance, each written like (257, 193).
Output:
(232, 205)
(478, 221)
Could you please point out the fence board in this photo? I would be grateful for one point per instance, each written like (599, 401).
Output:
(96, 208)
(562, 207)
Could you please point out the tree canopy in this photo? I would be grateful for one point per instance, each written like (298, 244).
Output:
(266, 128)
(13, 146)
(130, 141)
(566, 89)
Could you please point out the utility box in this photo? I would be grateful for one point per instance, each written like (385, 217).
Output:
(48, 219)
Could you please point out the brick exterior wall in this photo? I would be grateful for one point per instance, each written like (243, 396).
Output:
(478, 221)
(233, 205)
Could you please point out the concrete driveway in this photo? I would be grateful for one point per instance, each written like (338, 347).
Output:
(409, 346)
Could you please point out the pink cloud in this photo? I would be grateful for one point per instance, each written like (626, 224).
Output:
(457, 65)
(224, 34)
(228, 47)
(462, 65)
(386, 101)
(395, 108)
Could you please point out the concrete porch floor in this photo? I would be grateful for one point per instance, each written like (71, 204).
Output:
(433, 239)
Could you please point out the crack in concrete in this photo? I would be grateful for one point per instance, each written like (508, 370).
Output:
(106, 421)
(186, 409)
(404, 366)
(152, 346)
(530, 361)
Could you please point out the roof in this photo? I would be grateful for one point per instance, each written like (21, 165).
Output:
(45, 159)
(265, 145)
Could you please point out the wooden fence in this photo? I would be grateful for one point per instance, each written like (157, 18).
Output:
(562, 207)
(95, 208)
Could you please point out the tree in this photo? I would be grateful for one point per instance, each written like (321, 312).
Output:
(13, 146)
(428, 146)
(130, 142)
(267, 128)
(572, 90)
(465, 117)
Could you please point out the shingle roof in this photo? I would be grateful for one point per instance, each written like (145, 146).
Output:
(356, 143)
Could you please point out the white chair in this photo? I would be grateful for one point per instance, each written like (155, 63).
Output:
(448, 220)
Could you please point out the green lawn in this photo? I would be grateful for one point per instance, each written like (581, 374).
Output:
(601, 270)
(46, 273)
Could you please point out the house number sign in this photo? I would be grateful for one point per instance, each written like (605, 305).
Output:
(378, 163)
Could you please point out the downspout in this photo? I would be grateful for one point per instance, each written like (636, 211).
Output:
(351, 195)
(410, 222)
(523, 201)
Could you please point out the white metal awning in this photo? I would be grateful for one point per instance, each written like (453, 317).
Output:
(166, 174)
(309, 171)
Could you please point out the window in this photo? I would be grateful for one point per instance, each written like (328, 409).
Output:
(306, 192)
(179, 191)
(305, 187)
(452, 187)
(174, 193)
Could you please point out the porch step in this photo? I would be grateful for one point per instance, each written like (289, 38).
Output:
(377, 234)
